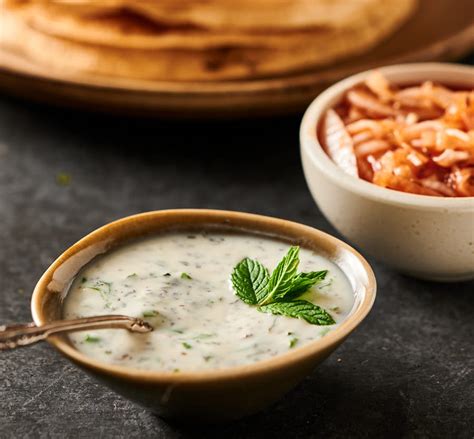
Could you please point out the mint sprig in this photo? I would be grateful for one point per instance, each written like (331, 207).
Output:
(277, 293)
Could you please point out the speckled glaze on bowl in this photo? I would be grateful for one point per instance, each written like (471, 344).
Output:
(423, 236)
(205, 396)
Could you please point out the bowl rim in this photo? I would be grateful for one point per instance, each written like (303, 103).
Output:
(230, 373)
(310, 145)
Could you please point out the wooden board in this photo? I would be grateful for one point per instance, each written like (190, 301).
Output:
(441, 30)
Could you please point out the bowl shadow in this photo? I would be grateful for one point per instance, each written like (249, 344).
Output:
(320, 406)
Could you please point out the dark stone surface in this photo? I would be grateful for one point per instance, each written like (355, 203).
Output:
(406, 372)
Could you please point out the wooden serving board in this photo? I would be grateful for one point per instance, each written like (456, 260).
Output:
(441, 30)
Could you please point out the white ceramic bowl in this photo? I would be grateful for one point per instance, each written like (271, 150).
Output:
(423, 236)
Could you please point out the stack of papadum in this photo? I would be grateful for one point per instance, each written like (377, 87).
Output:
(181, 40)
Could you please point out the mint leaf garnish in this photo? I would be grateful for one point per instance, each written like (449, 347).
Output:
(300, 309)
(302, 282)
(250, 281)
(281, 279)
(277, 293)
(185, 276)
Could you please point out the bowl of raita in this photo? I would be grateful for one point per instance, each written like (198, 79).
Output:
(243, 307)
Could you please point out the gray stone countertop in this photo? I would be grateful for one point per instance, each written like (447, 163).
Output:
(406, 372)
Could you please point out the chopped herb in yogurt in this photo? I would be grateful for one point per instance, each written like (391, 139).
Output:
(91, 339)
(293, 342)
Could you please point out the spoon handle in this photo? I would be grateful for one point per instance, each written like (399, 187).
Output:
(14, 336)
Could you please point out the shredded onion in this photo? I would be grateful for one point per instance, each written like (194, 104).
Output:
(417, 139)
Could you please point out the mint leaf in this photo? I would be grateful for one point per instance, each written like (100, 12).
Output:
(185, 276)
(250, 281)
(282, 277)
(300, 309)
(302, 282)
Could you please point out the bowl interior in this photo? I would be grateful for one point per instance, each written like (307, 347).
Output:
(52, 288)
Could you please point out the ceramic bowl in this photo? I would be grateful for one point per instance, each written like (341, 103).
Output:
(423, 236)
(206, 396)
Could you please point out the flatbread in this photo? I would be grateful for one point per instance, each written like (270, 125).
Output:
(189, 64)
(242, 14)
(123, 29)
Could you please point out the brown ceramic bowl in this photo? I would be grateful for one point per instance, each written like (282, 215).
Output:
(217, 395)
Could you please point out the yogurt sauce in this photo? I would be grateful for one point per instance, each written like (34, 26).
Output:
(180, 283)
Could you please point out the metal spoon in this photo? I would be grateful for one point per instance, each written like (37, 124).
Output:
(14, 336)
